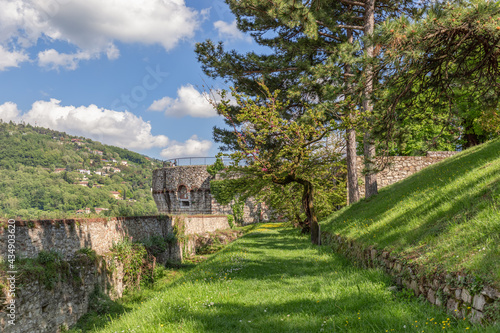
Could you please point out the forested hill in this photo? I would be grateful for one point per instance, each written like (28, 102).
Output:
(49, 174)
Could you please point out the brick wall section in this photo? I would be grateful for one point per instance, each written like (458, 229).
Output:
(444, 290)
(401, 167)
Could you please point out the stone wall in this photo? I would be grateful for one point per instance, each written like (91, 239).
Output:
(39, 309)
(400, 167)
(169, 181)
(451, 291)
(70, 235)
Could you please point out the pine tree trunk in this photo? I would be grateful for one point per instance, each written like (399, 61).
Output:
(369, 152)
(308, 205)
(352, 174)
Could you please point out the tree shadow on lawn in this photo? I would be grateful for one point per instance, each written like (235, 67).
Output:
(436, 221)
(356, 313)
(382, 203)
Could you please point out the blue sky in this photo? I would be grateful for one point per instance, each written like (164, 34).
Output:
(122, 72)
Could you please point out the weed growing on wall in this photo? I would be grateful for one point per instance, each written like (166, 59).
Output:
(238, 210)
(134, 258)
(156, 245)
(49, 267)
(230, 221)
(89, 253)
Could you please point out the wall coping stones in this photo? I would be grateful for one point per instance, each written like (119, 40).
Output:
(82, 221)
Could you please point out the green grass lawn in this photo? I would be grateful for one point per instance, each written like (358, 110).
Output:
(445, 217)
(273, 280)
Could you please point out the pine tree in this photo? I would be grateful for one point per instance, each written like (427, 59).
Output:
(445, 65)
(317, 46)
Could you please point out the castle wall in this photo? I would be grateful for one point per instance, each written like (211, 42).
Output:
(167, 195)
(42, 309)
(400, 167)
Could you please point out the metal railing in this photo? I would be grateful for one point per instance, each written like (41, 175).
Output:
(184, 161)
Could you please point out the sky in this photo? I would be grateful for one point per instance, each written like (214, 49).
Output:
(122, 72)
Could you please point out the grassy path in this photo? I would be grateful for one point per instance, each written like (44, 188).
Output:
(272, 280)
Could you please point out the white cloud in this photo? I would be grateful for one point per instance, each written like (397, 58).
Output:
(11, 59)
(51, 59)
(9, 111)
(93, 25)
(123, 129)
(193, 147)
(230, 31)
(189, 102)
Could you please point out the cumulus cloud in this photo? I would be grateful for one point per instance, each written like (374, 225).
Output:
(51, 59)
(193, 147)
(93, 25)
(9, 111)
(11, 59)
(189, 102)
(123, 129)
(229, 31)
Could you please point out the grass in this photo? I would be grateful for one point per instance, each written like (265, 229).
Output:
(273, 280)
(445, 217)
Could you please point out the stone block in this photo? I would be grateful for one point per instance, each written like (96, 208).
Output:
(491, 292)
(373, 254)
(447, 290)
(452, 305)
(458, 293)
(478, 302)
(414, 287)
(422, 289)
(466, 296)
(476, 316)
(435, 284)
(431, 296)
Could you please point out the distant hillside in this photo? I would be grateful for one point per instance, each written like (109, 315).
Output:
(46, 173)
(446, 217)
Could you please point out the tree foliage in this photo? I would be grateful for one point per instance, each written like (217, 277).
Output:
(30, 187)
(443, 66)
(274, 150)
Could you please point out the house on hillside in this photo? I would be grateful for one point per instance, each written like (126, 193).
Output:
(83, 211)
(117, 195)
(124, 163)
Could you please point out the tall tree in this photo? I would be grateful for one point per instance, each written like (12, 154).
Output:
(307, 37)
(447, 63)
(280, 151)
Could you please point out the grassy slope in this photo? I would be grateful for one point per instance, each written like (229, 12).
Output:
(273, 280)
(448, 215)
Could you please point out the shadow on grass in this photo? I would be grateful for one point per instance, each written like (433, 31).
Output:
(439, 211)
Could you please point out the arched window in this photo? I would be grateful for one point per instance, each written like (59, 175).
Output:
(183, 195)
